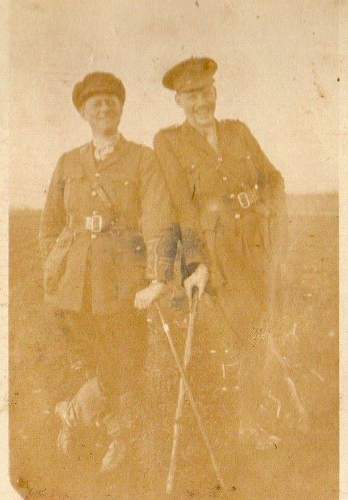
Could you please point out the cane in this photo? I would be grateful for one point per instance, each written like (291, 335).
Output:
(181, 396)
(166, 330)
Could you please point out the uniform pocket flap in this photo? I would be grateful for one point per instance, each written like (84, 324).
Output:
(73, 172)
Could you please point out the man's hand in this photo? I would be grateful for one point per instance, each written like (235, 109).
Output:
(145, 297)
(198, 279)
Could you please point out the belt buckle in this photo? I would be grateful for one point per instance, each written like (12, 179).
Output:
(243, 199)
(94, 223)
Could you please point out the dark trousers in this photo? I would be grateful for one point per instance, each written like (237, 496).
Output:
(111, 347)
(109, 350)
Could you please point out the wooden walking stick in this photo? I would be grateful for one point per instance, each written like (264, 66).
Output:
(204, 435)
(181, 396)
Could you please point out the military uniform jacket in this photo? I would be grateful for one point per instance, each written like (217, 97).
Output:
(128, 193)
(232, 201)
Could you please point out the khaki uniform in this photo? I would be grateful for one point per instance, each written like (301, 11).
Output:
(128, 200)
(233, 201)
(105, 231)
(231, 207)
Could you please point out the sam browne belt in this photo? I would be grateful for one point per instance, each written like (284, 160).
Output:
(94, 223)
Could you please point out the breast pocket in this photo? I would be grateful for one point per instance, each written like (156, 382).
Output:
(55, 263)
(243, 169)
(124, 193)
(75, 188)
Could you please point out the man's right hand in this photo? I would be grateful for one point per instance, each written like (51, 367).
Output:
(198, 279)
(145, 297)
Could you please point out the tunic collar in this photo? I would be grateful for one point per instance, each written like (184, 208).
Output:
(103, 148)
(118, 152)
(88, 158)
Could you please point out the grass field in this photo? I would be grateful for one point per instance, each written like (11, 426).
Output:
(312, 343)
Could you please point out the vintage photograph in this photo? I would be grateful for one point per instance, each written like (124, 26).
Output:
(173, 249)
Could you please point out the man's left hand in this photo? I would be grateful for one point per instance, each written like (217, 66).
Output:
(145, 297)
(198, 279)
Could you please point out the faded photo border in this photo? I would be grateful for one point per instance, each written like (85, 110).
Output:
(6, 489)
(343, 242)
(7, 105)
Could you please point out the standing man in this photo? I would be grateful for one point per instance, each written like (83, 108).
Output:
(230, 202)
(104, 236)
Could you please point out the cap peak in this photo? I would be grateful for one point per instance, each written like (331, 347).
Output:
(190, 74)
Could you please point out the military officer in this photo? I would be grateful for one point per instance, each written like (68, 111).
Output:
(230, 202)
(104, 236)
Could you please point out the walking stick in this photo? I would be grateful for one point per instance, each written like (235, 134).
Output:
(181, 396)
(204, 435)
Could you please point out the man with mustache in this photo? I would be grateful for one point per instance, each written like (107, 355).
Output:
(104, 235)
(230, 202)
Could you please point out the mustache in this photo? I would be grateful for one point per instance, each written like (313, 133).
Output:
(204, 109)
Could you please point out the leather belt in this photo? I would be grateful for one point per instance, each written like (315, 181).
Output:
(94, 223)
(244, 199)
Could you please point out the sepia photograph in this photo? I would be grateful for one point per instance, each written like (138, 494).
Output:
(173, 319)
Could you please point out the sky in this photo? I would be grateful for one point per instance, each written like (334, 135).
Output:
(278, 71)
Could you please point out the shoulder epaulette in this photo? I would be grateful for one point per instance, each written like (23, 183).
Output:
(236, 126)
(74, 153)
(83, 148)
(77, 151)
(170, 130)
(230, 121)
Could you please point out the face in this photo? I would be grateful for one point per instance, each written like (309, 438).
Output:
(198, 105)
(103, 113)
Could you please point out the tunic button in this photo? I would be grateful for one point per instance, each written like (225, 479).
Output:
(237, 216)
(256, 187)
(126, 183)
(97, 174)
(93, 236)
(138, 248)
(193, 166)
(232, 195)
(248, 157)
(219, 159)
(93, 193)
(224, 178)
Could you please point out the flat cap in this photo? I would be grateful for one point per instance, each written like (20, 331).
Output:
(98, 83)
(191, 74)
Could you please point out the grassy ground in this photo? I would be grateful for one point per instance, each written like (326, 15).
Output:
(37, 373)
